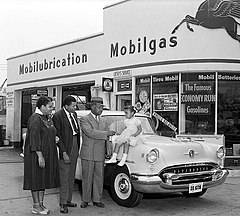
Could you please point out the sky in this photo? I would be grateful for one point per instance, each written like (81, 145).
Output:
(29, 25)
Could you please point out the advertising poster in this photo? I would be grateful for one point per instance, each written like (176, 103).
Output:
(143, 104)
(107, 84)
(10, 99)
(198, 93)
(165, 102)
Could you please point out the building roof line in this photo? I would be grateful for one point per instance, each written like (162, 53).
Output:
(114, 4)
(59, 45)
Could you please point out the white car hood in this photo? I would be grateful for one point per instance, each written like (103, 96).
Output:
(176, 151)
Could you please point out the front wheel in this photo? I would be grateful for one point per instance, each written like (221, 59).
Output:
(121, 189)
(198, 194)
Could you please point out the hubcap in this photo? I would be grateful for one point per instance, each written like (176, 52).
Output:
(122, 186)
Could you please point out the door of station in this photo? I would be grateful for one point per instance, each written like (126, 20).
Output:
(123, 100)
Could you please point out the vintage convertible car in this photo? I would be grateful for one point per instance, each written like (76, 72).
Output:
(161, 164)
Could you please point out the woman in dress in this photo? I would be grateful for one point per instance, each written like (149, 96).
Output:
(40, 155)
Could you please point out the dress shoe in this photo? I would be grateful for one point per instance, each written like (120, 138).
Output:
(84, 205)
(64, 209)
(70, 204)
(39, 212)
(99, 204)
(44, 207)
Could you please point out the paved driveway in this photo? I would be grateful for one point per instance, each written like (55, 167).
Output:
(222, 200)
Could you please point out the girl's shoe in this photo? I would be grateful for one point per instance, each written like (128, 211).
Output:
(113, 158)
(123, 160)
(121, 163)
(111, 161)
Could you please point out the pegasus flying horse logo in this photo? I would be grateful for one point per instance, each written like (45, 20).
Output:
(215, 14)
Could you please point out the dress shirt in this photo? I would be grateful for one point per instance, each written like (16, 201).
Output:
(95, 117)
(69, 119)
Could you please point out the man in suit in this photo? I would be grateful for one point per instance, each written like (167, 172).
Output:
(65, 121)
(95, 132)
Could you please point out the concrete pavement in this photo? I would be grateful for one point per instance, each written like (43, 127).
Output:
(14, 201)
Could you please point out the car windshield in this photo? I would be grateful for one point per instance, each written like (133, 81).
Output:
(116, 123)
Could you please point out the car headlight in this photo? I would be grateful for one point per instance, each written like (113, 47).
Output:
(221, 152)
(152, 156)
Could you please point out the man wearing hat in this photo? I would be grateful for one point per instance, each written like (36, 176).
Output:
(95, 132)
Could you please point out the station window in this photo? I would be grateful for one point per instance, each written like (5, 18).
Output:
(165, 103)
(228, 119)
(197, 103)
(81, 92)
(54, 94)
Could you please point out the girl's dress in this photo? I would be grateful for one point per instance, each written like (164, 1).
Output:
(131, 128)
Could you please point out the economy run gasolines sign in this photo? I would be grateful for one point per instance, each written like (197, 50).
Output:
(198, 93)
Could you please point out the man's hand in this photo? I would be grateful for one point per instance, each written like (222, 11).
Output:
(66, 158)
(109, 148)
(110, 133)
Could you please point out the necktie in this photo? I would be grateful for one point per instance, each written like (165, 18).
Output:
(96, 118)
(73, 124)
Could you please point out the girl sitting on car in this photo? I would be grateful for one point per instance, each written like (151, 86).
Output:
(129, 137)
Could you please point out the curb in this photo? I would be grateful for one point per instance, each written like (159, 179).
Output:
(6, 147)
(234, 173)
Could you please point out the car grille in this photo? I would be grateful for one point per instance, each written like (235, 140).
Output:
(190, 173)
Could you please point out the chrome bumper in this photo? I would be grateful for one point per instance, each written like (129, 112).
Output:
(154, 184)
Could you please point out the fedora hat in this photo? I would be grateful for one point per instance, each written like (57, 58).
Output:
(96, 101)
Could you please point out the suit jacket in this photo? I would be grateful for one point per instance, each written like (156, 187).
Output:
(94, 135)
(64, 132)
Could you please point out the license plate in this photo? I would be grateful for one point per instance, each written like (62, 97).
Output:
(195, 187)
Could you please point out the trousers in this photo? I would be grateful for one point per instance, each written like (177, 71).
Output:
(92, 180)
(67, 174)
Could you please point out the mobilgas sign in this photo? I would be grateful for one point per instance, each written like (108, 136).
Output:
(142, 45)
(36, 66)
(214, 14)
